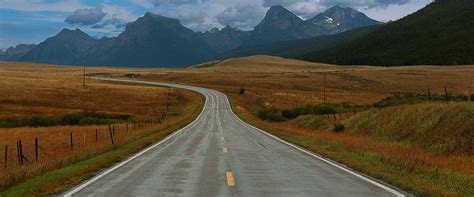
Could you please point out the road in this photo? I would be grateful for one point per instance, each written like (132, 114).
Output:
(220, 155)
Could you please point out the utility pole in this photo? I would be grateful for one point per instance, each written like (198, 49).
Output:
(469, 93)
(84, 77)
(324, 88)
(168, 99)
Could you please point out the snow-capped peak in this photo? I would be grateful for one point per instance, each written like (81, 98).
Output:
(329, 19)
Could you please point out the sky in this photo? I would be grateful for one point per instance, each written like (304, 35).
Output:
(32, 21)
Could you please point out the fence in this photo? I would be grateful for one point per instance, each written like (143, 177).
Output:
(56, 147)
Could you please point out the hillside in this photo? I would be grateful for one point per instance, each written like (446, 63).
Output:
(294, 48)
(436, 127)
(439, 34)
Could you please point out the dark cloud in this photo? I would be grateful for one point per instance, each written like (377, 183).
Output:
(242, 17)
(117, 23)
(86, 16)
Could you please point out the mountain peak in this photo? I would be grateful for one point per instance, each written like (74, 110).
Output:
(278, 10)
(66, 30)
(68, 33)
(338, 19)
(278, 14)
(151, 16)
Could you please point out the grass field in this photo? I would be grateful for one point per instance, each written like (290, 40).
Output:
(54, 92)
(423, 148)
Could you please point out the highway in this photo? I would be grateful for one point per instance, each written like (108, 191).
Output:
(220, 155)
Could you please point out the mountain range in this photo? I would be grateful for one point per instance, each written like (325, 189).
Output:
(439, 34)
(158, 41)
(442, 33)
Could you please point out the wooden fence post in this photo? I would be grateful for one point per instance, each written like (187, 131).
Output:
(36, 149)
(21, 152)
(111, 135)
(6, 155)
(429, 95)
(446, 93)
(113, 129)
(469, 94)
(96, 135)
(72, 144)
(18, 152)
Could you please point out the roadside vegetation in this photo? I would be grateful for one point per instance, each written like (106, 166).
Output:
(67, 129)
(424, 148)
(84, 118)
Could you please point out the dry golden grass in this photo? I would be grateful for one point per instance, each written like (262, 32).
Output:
(283, 83)
(53, 91)
(33, 89)
(287, 83)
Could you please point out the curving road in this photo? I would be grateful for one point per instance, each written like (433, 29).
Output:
(219, 155)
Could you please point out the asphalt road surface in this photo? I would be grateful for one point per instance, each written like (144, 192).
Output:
(219, 155)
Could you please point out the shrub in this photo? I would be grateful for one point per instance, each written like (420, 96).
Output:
(241, 91)
(319, 109)
(338, 127)
(270, 114)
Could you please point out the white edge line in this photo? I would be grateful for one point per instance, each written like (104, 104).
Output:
(393, 191)
(110, 170)
(82, 186)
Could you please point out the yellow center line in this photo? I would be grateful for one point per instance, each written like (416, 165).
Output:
(225, 150)
(230, 179)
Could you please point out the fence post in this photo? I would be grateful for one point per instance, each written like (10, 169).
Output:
(469, 94)
(72, 144)
(446, 93)
(36, 149)
(95, 135)
(18, 151)
(113, 129)
(6, 155)
(111, 135)
(21, 152)
(429, 95)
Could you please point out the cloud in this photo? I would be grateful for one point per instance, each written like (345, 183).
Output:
(394, 11)
(37, 5)
(86, 16)
(201, 15)
(242, 16)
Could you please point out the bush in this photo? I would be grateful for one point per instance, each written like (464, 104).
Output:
(241, 91)
(319, 109)
(338, 127)
(270, 114)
